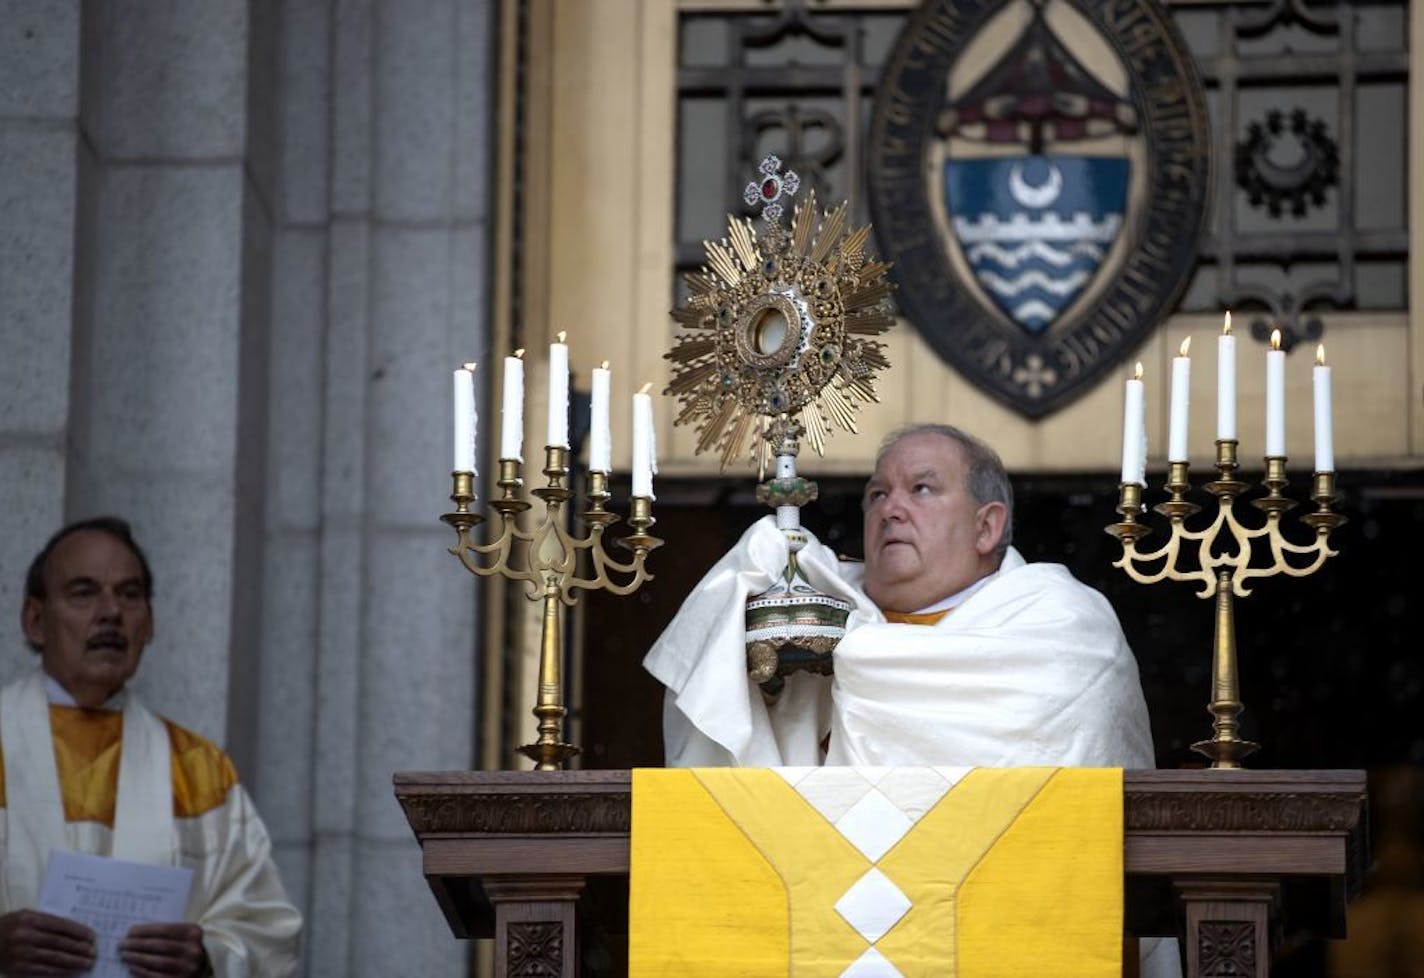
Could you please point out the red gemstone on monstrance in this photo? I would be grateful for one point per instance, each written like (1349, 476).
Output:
(769, 188)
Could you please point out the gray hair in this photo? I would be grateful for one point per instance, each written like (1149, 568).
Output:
(986, 479)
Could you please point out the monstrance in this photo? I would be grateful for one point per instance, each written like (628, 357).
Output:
(776, 343)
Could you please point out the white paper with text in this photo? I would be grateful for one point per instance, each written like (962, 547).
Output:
(109, 896)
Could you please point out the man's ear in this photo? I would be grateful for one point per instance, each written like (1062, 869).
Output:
(30, 614)
(989, 527)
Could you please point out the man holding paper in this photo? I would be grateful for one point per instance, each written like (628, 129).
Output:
(85, 767)
(957, 652)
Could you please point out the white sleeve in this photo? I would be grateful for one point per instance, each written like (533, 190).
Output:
(714, 714)
(250, 928)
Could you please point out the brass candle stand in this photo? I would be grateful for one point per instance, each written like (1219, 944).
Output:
(1224, 574)
(547, 558)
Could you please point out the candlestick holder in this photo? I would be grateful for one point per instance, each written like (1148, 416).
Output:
(547, 558)
(1223, 555)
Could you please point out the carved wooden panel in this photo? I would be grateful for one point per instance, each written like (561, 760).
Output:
(516, 813)
(536, 950)
(1209, 811)
(1227, 948)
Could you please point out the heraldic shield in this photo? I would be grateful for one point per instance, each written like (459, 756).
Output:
(1035, 229)
(1040, 174)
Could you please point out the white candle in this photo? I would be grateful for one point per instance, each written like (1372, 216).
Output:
(466, 420)
(1134, 431)
(1275, 398)
(511, 433)
(1181, 404)
(644, 448)
(1324, 437)
(559, 393)
(1226, 383)
(600, 442)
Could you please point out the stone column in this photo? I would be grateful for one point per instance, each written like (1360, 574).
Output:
(405, 305)
(162, 411)
(39, 107)
(237, 263)
(290, 92)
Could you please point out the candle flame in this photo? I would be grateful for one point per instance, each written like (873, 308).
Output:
(1275, 339)
(646, 387)
(1137, 371)
(562, 334)
(1320, 355)
(605, 365)
(519, 353)
(1186, 345)
(471, 367)
(1226, 326)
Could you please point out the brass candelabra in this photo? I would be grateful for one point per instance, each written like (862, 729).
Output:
(1224, 574)
(547, 559)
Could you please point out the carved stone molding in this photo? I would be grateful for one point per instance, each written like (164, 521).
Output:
(1227, 811)
(500, 814)
(536, 950)
(1227, 948)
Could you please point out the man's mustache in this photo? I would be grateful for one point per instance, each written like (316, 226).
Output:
(110, 638)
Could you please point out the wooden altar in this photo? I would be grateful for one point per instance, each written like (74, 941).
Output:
(1230, 861)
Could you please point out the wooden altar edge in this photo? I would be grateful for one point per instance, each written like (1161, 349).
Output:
(1302, 829)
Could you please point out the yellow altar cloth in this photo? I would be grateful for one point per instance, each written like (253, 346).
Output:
(861, 872)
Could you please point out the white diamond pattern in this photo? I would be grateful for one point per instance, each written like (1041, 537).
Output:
(952, 774)
(914, 790)
(794, 775)
(874, 774)
(874, 824)
(833, 790)
(873, 808)
(873, 905)
(872, 964)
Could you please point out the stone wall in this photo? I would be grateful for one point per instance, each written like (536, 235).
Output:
(241, 246)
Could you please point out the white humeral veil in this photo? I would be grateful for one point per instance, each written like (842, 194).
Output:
(1031, 669)
(250, 929)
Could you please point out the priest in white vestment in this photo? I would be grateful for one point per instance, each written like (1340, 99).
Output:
(84, 766)
(957, 651)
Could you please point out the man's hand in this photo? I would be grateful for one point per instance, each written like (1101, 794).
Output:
(164, 950)
(35, 944)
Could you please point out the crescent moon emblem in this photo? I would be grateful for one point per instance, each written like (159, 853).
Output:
(1040, 196)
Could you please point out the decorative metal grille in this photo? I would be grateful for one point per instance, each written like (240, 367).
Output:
(1309, 106)
(1311, 179)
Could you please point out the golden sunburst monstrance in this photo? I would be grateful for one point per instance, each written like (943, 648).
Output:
(780, 325)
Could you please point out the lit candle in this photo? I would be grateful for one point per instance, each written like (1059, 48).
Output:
(559, 393)
(1181, 401)
(600, 442)
(511, 433)
(1324, 439)
(1226, 383)
(466, 420)
(644, 447)
(1134, 431)
(1275, 398)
